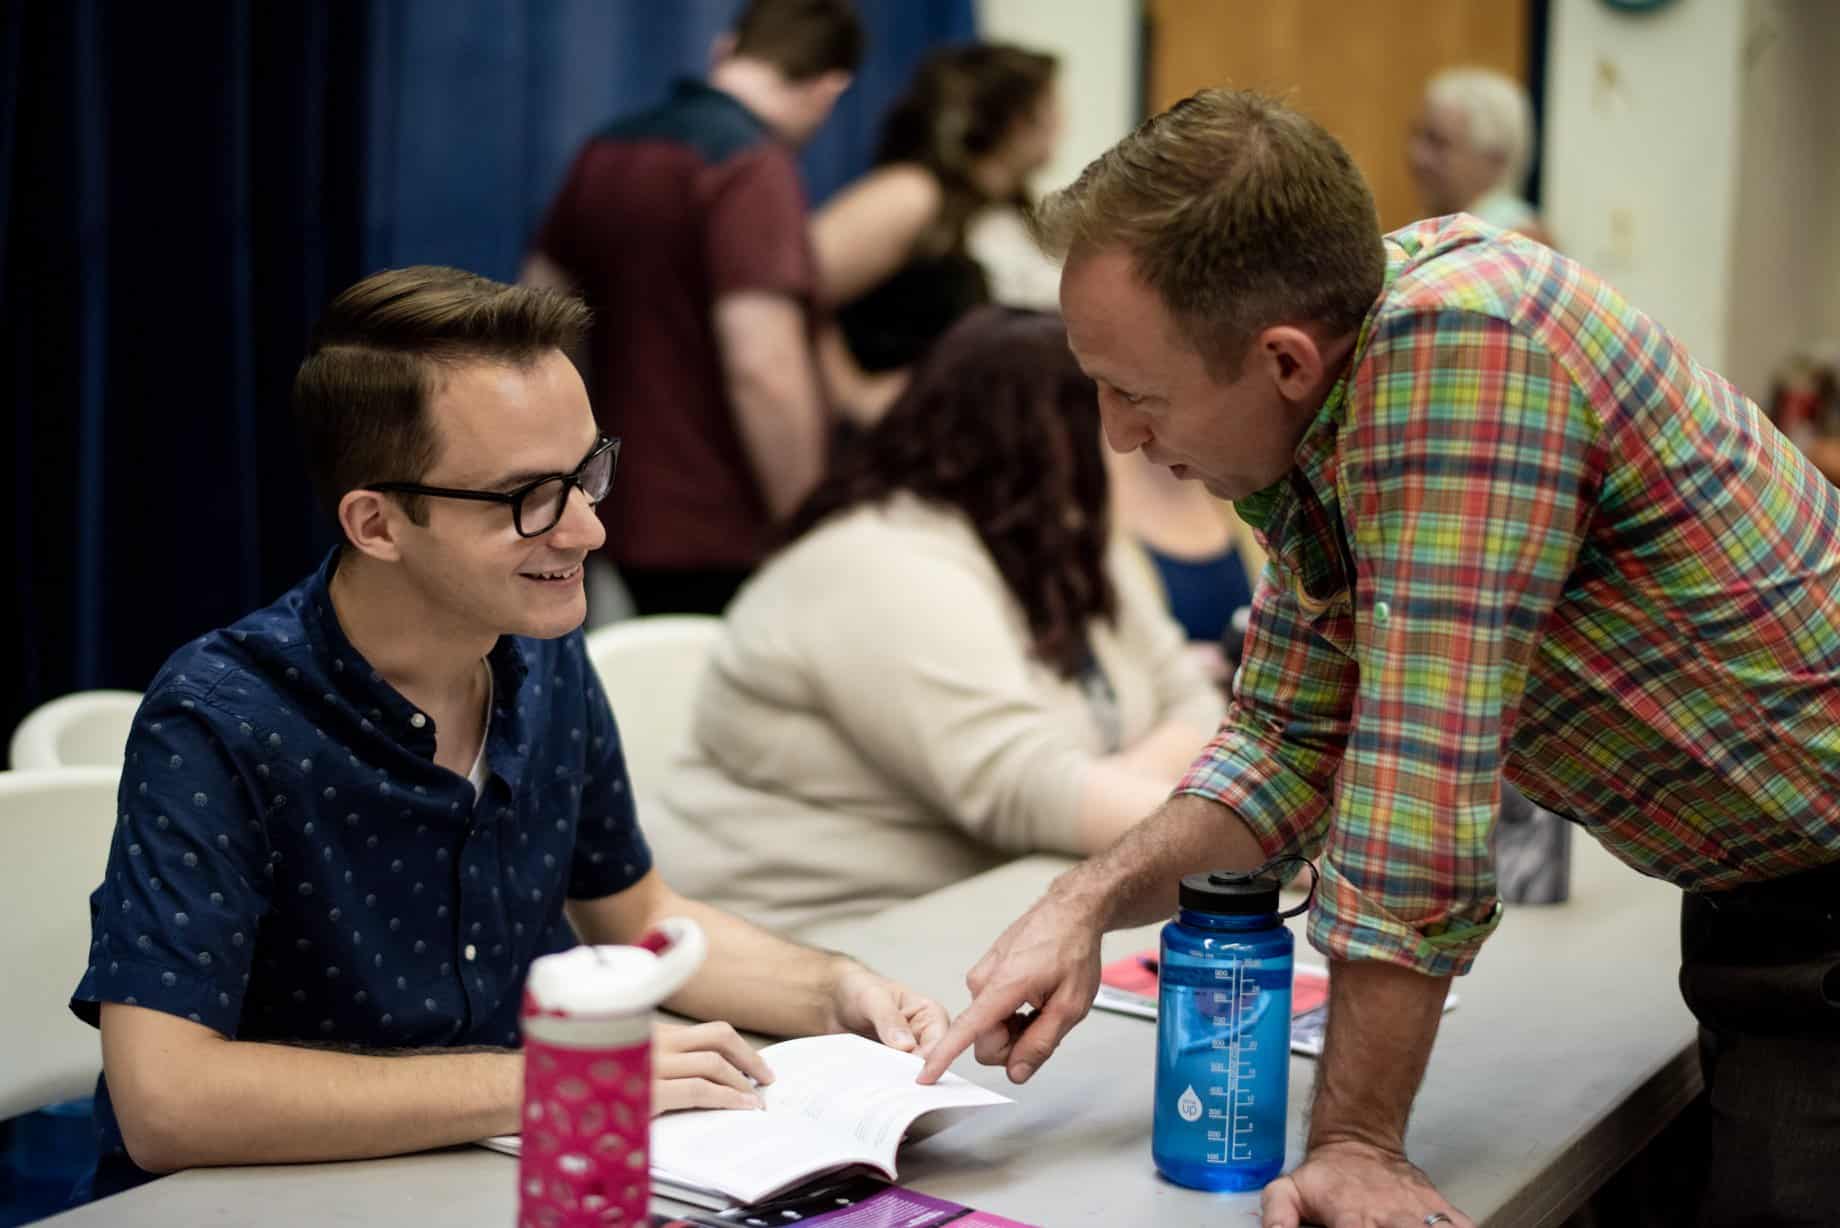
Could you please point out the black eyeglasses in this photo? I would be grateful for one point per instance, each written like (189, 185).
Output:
(536, 506)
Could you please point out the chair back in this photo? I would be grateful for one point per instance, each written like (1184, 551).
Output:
(55, 829)
(84, 729)
(650, 668)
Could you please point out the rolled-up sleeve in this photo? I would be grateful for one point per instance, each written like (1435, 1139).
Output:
(1464, 473)
(1274, 761)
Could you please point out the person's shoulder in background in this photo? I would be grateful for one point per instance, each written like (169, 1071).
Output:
(1509, 212)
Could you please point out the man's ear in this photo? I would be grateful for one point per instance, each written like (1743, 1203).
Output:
(1292, 359)
(372, 524)
(722, 48)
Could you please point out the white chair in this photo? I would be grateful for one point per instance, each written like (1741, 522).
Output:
(650, 668)
(84, 729)
(55, 828)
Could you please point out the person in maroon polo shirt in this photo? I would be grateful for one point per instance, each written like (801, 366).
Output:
(684, 228)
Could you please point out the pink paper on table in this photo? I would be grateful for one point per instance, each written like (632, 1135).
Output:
(1137, 974)
(1309, 989)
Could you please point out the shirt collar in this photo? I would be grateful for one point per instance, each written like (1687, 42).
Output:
(1298, 518)
(1314, 459)
(689, 89)
(362, 686)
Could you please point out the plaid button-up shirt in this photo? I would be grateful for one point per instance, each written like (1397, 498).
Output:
(1528, 535)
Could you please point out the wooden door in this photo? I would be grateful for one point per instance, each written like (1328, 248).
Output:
(1358, 67)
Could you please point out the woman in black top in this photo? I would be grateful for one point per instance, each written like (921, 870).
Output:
(975, 122)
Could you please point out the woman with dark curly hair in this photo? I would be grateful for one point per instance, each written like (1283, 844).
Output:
(953, 661)
(975, 122)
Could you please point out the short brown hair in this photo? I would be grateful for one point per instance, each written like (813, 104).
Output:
(1239, 212)
(376, 357)
(801, 38)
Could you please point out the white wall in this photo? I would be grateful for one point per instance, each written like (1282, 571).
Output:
(1641, 156)
(1097, 44)
(1822, 24)
(1706, 191)
(1785, 276)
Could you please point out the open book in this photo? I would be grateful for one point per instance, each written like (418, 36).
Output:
(835, 1102)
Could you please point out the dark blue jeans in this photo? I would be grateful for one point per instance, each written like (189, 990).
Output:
(1760, 968)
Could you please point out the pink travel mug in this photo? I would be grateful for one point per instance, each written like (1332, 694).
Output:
(587, 1016)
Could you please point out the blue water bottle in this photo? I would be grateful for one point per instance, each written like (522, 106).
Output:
(1223, 1026)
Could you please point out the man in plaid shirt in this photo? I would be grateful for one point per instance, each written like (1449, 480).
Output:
(1515, 531)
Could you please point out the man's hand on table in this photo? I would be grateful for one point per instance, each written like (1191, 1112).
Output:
(1358, 1185)
(869, 1004)
(1048, 959)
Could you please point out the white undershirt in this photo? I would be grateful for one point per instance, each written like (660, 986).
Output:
(477, 776)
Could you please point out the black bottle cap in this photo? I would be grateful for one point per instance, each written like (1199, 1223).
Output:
(1230, 893)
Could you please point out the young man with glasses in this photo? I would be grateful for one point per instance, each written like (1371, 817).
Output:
(350, 821)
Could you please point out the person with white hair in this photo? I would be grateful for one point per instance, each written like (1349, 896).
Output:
(1471, 148)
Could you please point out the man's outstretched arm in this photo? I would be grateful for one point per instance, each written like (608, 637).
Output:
(1049, 959)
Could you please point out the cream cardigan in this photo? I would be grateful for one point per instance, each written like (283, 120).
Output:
(872, 726)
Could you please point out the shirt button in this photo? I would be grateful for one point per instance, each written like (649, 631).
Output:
(418, 720)
(471, 951)
(1382, 612)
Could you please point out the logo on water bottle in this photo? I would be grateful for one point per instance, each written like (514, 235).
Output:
(1189, 1106)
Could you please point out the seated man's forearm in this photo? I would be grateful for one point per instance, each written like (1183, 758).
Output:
(186, 1101)
(757, 980)
(1382, 1022)
(751, 978)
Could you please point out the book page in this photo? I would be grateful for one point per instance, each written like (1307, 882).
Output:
(835, 1101)
(746, 1154)
(855, 1087)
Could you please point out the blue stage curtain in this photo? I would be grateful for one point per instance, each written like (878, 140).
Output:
(180, 198)
(477, 107)
(187, 184)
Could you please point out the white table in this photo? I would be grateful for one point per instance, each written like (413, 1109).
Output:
(1570, 1050)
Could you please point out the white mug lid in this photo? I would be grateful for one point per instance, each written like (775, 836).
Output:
(618, 980)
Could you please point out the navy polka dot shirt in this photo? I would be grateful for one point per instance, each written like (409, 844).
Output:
(289, 863)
